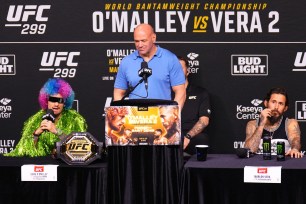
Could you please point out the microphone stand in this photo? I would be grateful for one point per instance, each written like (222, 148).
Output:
(131, 89)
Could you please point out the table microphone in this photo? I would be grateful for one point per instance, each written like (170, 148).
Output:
(49, 116)
(243, 152)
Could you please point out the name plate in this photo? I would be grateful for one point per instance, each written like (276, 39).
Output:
(265, 174)
(39, 172)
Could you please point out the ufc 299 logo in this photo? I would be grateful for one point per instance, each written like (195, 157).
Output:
(63, 64)
(31, 18)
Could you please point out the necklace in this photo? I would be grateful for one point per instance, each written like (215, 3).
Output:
(273, 128)
(271, 133)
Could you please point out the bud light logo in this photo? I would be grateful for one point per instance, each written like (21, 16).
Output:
(249, 65)
(63, 64)
(7, 65)
(300, 111)
(300, 62)
(31, 18)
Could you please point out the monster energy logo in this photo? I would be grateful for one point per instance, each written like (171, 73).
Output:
(266, 146)
(279, 149)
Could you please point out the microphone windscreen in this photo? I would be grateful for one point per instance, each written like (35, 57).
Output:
(49, 115)
(50, 111)
(243, 152)
(144, 64)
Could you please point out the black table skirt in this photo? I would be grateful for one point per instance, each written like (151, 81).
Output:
(75, 185)
(220, 180)
(144, 174)
(147, 174)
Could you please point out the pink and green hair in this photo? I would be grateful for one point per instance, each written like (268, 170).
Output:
(56, 86)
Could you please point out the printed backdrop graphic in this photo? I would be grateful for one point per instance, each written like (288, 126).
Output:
(237, 50)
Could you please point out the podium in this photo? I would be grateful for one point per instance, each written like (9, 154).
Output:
(143, 171)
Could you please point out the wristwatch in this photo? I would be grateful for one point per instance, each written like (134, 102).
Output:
(188, 136)
(35, 135)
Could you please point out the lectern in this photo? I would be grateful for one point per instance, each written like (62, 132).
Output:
(141, 169)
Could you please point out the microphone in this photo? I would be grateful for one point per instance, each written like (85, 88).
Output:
(145, 72)
(243, 152)
(49, 116)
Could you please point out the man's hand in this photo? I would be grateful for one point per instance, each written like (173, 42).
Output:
(49, 126)
(186, 142)
(264, 116)
(294, 153)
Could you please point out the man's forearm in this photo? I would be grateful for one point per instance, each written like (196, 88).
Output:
(200, 125)
(253, 141)
(295, 144)
(294, 136)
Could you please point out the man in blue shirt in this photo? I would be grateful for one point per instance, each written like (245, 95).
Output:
(167, 73)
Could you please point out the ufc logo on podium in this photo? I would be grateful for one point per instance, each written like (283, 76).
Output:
(24, 12)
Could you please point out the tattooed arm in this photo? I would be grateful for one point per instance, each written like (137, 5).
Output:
(196, 129)
(254, 132)
(294, 137)
(253, 135)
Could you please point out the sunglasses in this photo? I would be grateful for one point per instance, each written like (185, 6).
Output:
(56, 99)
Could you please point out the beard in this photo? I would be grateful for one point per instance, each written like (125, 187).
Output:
(275, 117)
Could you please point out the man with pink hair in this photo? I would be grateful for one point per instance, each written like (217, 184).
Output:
(55, 120)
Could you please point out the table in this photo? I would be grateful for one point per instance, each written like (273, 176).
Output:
(133, 174)
(220, 180)
(76, 184)
(144, 174)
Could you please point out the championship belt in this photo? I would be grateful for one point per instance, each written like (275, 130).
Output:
(78, 148)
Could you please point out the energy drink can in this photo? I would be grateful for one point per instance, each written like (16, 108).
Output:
(280, 148)
(266, 148)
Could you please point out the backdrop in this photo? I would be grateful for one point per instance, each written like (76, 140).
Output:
(237, 50)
